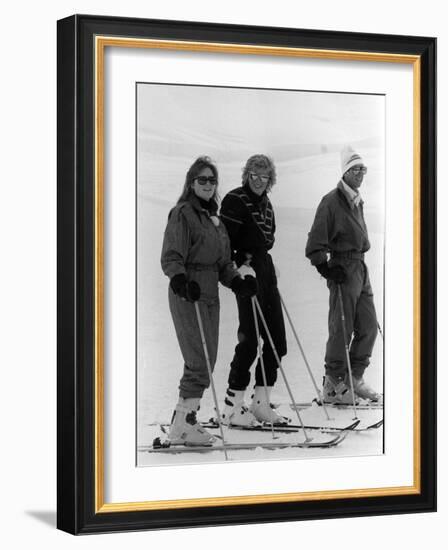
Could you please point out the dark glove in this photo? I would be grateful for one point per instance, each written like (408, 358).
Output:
(241, 257)
(193, 291)
(334, 273)
(245, 288)
(187, 290)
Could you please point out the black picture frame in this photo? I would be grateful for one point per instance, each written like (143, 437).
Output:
(79, 507)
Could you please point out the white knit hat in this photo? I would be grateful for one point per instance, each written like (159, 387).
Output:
(349, 158)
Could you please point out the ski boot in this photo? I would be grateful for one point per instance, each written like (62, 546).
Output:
(336, 391)
(235, 412)
(364, 391)
(263, 410)
(185, 429)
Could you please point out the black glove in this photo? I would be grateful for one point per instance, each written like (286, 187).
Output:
(193, 291)
(334, 273)
(187, 290)
(245, 288)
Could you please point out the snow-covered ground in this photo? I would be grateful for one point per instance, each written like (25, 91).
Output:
(301, 184)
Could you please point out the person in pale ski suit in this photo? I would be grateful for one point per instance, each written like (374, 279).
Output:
(195, 256)
(336, 246)
(249, 217)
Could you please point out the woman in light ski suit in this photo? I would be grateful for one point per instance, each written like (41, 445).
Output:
(195, 256)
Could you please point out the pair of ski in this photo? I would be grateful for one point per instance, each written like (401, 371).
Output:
(363, 405)
(160, 446)
(291, 428)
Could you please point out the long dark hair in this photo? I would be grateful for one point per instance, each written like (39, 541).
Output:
(196, 168)
(260, 161)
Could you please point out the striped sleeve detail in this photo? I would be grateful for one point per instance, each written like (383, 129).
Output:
(231, 219)
(240, 196)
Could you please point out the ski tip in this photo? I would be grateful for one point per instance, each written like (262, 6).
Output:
(376, 425)
(344, 433)
(360, 405)
(353, 425)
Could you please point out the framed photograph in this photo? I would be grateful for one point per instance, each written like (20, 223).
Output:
(246, 274)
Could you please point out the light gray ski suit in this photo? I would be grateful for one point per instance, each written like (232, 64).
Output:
(194, 245)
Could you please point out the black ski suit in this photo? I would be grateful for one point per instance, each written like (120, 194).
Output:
(250, 222)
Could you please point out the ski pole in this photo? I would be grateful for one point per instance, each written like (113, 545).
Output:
(277, 358)
(347, 354)
(318, 392)
(380, 331)
(210, 374)
(260, 355)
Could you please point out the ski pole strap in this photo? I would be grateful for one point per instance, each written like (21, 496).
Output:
(348, 255)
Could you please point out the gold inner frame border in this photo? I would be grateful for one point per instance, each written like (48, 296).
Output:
(100, 44)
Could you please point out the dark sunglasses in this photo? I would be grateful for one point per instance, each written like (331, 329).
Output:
(253, 176)
(203, 180)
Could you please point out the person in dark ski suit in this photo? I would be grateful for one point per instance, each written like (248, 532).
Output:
(195, 256)
(339, 232)
(249, 218)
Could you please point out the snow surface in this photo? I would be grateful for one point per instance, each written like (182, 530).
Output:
(159, 362)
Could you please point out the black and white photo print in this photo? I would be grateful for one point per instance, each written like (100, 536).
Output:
(260, 274)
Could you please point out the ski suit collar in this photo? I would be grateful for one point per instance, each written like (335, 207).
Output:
(198, 205)
(351, 208)
(353, 198)
(256, 199)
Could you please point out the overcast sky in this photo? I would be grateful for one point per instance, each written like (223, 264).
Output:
(177, 123)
